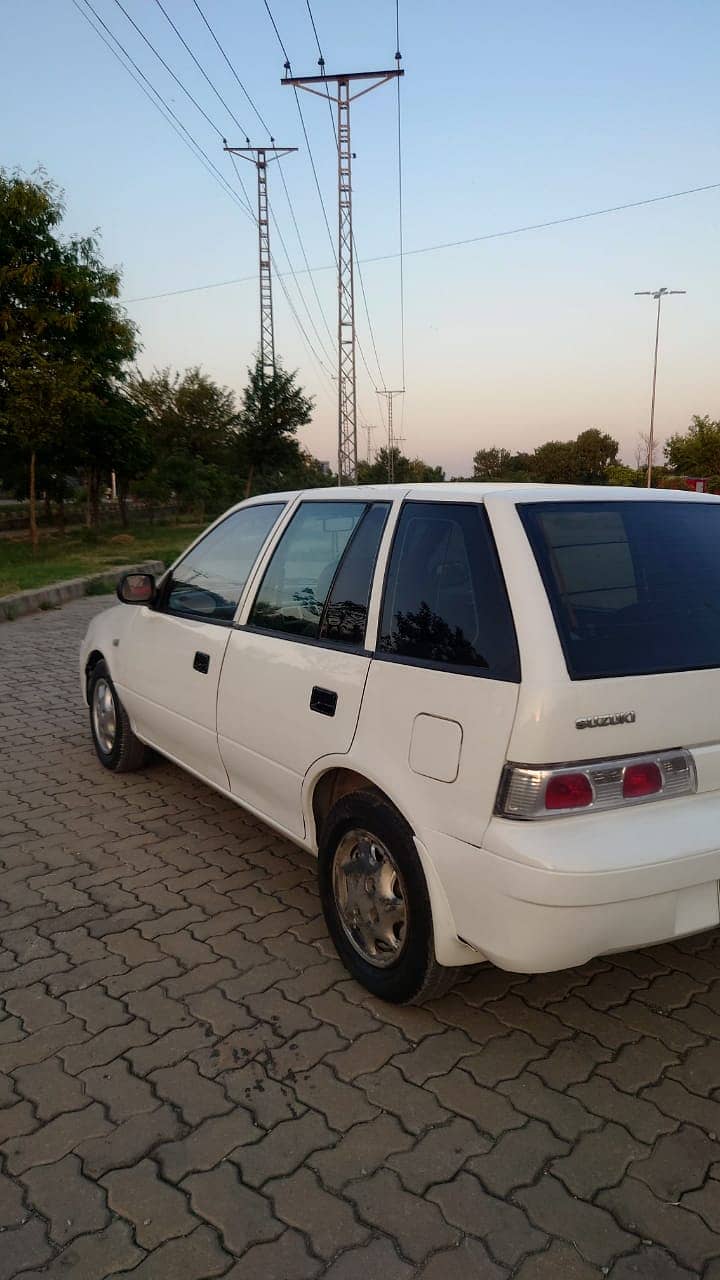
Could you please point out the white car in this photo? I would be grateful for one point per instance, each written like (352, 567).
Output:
(492, 711)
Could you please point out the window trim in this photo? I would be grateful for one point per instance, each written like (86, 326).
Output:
(482, 673)
(338, 645)
(161, 606)
(296, 639)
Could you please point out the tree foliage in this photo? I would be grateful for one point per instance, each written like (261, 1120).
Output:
(64, 341)
(696, 452)
(405, 470)
(273, 409)
(189, 424)
(585, 460)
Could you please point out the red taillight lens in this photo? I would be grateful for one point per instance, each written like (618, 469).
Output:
(568, 791)
(641, 780)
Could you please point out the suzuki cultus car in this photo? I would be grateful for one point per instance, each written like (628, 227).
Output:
(491, 711)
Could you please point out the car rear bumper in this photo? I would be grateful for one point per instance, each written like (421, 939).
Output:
(550, 895)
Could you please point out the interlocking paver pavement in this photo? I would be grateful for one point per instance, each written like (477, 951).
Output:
(191, 1085)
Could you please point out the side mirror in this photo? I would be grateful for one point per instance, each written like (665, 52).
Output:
(136, 588)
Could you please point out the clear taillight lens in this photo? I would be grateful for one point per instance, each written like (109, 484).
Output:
(530, 791)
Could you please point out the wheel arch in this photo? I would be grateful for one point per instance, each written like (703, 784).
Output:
(331, 785)
(91, 662)
(335, 781)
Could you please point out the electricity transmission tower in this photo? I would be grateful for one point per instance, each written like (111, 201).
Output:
(347, 408)
(658, 295)
(369, 428)
(393, 440)
(259, 157)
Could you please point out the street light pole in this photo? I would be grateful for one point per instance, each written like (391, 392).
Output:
(659, 294)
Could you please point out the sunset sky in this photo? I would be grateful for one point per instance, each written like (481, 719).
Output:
(513, 114)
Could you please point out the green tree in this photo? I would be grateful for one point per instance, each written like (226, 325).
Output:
(695, 452)
(64, 341)
(554, 463)
(273, 410)
(496, 463)
(619, 474)
(491, 464)
(584, 460)
(190, 426)
(595, 451)
(405, 470)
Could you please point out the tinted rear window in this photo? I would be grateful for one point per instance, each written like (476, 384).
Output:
(445, 603)
(634, 586)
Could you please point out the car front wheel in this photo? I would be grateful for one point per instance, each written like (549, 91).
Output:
(376, 903)
(116, 745)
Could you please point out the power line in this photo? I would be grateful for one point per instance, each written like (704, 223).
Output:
(190, 141)
(277, 33)
(166, 111)
(283, 286)
(313, 166)
(232, 68)
(302, 250)
(356, 256)
(304, 129)
(200, 67)
(219, 132)
(282, 174)
(169, 70)
(456, 244)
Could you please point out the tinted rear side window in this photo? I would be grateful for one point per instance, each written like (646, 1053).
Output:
(445, 602)
(345, 614)
(634, 586)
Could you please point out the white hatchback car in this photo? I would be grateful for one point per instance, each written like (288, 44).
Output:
(492, 711)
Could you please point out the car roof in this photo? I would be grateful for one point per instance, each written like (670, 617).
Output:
(477, 491)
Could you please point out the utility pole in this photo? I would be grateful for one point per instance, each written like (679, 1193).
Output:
(658, 294)
(392, 439)
(369, 427)
(259, 157)
(347, 408)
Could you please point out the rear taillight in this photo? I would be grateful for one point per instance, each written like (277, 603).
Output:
(568, 791)
(643, 779)
(532, 791)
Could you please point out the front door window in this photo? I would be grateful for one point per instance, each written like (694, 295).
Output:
(209, 581)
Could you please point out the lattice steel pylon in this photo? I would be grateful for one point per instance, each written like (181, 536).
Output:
(259, 157)
(392, 440)
(347, 393)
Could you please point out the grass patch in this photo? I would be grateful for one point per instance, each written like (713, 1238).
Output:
(74, 556)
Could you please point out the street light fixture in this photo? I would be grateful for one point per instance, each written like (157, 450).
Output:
(658, 294)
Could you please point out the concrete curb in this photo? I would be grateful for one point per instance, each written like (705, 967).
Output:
(58, 593)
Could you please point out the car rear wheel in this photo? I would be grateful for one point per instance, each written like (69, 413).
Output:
(376, 903)
(116, 745)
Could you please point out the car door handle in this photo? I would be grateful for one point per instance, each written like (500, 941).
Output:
(324, 701)
(201, 662)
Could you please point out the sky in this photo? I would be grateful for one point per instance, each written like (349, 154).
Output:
(512, 114)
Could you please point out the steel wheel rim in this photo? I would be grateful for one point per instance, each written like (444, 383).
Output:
(104, 716)
(371, 898)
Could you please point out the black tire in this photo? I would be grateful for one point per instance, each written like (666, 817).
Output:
(126, 751)
(415, 975)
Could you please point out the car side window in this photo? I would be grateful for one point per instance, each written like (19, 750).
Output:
(302, 572)
(210, 579)
(345, 614)
(445, 602)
